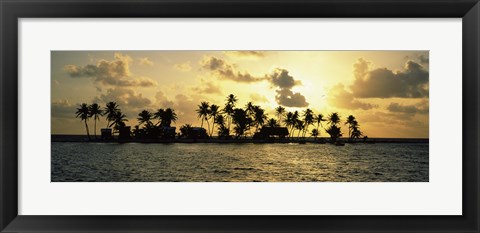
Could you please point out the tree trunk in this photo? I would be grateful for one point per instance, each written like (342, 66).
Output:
(208, 126)
(95, 128)
(213, 127)
(88, 132)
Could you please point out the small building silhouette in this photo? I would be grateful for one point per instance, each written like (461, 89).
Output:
(271, 132)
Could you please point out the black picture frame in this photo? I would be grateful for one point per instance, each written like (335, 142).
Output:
(11, 11)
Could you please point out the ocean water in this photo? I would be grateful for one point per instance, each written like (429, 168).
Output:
(209, 162)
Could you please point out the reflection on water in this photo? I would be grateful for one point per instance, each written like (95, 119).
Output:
(111, 162)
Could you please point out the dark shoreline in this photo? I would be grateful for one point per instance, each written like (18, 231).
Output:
(84, 138)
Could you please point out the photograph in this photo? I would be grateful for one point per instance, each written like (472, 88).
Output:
(239, 116)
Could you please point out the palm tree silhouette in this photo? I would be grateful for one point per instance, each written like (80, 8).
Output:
(259, 117)
(228, 109)
(249, 109)
(315, 133)
(289, 122)
(300, 125)
(165, 117)
(185, 130)
(242, 121)
(350, 121)
(214, 112)
(83, 112)
(334, 131)
(169, 117)
(95, 112)
(272, 123)
(295, 121)
(118, 120)
(159, 115)
(279, 111)
(307, 119)
(203, 112)
(334, 119)
(319, 119)
(111, 111)
(145, 117)
(222, 129)
(356, 133)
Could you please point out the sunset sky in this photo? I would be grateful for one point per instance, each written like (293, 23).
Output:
(387, 91)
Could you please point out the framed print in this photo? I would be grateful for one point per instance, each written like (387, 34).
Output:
(310, 116)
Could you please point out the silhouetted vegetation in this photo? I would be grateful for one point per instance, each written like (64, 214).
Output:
(219, 121)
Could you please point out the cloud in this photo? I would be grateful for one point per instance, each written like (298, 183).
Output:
(246, 54)
(392, 124)
(162, 101)
(183, 105)
(424, 60)
(227, 71)
(207, 88)
(279, 78)
(284, 82)
(145, 61)
(258, 98)
(112, 73)
(411, 82)
(63, 109)
(282, 79)
(129, 101)
(287, 98)
(184, 67)
(341, 98)
(421, 108)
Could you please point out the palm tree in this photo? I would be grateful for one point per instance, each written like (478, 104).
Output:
(279, 111)
(145, 117)
(159, 115)
(334, 131)
(213, 114)
(272, 123)
(185, 130)
(334, 119)
(289, 122)
(307, 119)
(203, 112)
(319, 119)
(242, 121)
(300, 125)
(249, 109)
(315, 133)
(259, 117)
(111, 111)
(168, 117)
(356, 133)
(350, 121)
(165, 117)
(228, 109)
(118, 120)
(294, 121)
(95, 112)
(223, 131)
(83, 112)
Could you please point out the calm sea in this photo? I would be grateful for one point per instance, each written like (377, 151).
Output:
(203, 162)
